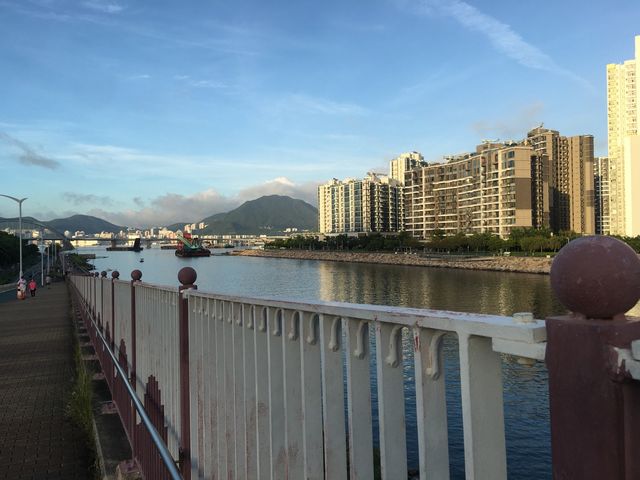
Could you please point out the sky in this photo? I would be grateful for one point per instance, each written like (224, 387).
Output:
(150, 112)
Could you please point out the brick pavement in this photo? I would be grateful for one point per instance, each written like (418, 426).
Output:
(37, 440)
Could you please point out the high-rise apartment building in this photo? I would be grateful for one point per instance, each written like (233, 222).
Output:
(601, 184)
(490, 190)
(570, 178)
(372, 204)
(403, 163)
(623, 121)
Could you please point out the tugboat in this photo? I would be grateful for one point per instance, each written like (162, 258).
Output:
(190, 247)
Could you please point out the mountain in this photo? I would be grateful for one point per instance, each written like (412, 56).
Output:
(265, 215)
(177, 226)
(86, 223)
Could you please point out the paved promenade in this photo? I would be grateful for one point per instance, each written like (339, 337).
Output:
(37, 441)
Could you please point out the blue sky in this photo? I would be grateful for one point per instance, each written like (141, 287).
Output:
(151, 112)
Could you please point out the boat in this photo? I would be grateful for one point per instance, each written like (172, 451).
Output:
(189, 246)
(141, 260)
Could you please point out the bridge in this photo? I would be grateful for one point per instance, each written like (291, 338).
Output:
(46, 232)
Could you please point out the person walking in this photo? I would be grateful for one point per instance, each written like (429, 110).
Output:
(22, 288)
(32, 287)
(47, 281)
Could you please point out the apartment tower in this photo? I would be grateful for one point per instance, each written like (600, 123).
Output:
(490, 190)
(372, 204)
(570, 175)
(403, 163)
(601, 183)
(623, 121)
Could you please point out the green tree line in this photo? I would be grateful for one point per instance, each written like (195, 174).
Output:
(10, 256)
(525, 240)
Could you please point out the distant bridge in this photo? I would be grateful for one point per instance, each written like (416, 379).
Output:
(46, 232)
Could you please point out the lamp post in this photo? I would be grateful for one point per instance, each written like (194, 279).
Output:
(19, 202)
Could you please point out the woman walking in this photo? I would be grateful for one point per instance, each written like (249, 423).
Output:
(32, 287)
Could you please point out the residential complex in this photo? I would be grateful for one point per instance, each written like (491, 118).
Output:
(623, 121)
(546, 180)
(372, 204)
(490, 190)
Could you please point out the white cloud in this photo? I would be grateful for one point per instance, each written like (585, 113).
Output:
(511, 127)
(103, 6)
(27, 155)
(84, 198)
(309, 104)
(500, 35)
(174, 207)
(142, 76)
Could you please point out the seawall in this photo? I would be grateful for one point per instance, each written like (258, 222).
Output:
(501, 264)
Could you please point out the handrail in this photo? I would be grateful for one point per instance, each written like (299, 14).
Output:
(167, 459)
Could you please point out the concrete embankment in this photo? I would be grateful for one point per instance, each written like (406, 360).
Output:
(500, 264)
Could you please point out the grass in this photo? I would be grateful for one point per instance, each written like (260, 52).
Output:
(80, 406)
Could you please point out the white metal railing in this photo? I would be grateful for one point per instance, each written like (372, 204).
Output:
(268, 381)
(267, 387)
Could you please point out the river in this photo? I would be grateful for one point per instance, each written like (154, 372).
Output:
(525, 387)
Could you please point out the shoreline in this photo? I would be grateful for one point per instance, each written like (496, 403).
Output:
(537, 265)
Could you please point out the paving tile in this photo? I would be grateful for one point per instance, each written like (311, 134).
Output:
(37, 441)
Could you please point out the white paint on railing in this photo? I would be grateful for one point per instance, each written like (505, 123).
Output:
(431, 403)
(482, 409)
(122, 317)
(157, 345)
(359, 400)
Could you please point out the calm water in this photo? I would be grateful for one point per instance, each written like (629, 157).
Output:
(525, 388)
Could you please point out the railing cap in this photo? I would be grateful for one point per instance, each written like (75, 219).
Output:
(136, 275)
(103, 274)
(597, 276)
(115, 274)
(187, 276)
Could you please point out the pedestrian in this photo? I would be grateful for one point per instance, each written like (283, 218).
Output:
(32, 287)
(47, 281)
(22, 288)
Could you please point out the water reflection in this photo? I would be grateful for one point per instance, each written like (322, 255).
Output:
(462, 290)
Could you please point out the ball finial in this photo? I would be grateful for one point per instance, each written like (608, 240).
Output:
(115, 274)
(187, 276)
(597, 276)
(103, 274)
(136, 275)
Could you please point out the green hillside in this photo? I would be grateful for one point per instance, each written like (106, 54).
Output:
(270, 214)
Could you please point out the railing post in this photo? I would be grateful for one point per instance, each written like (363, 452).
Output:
(136, 275)
(594, 401)
(114, 276)
(103, 275)
(187, 277)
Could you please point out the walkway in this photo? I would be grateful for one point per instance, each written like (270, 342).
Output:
(37, 441)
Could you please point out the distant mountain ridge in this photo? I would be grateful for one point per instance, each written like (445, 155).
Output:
(74, 223)
(85, 223)
(269, 214)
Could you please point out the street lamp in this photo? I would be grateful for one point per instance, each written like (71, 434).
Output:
(19, 202)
